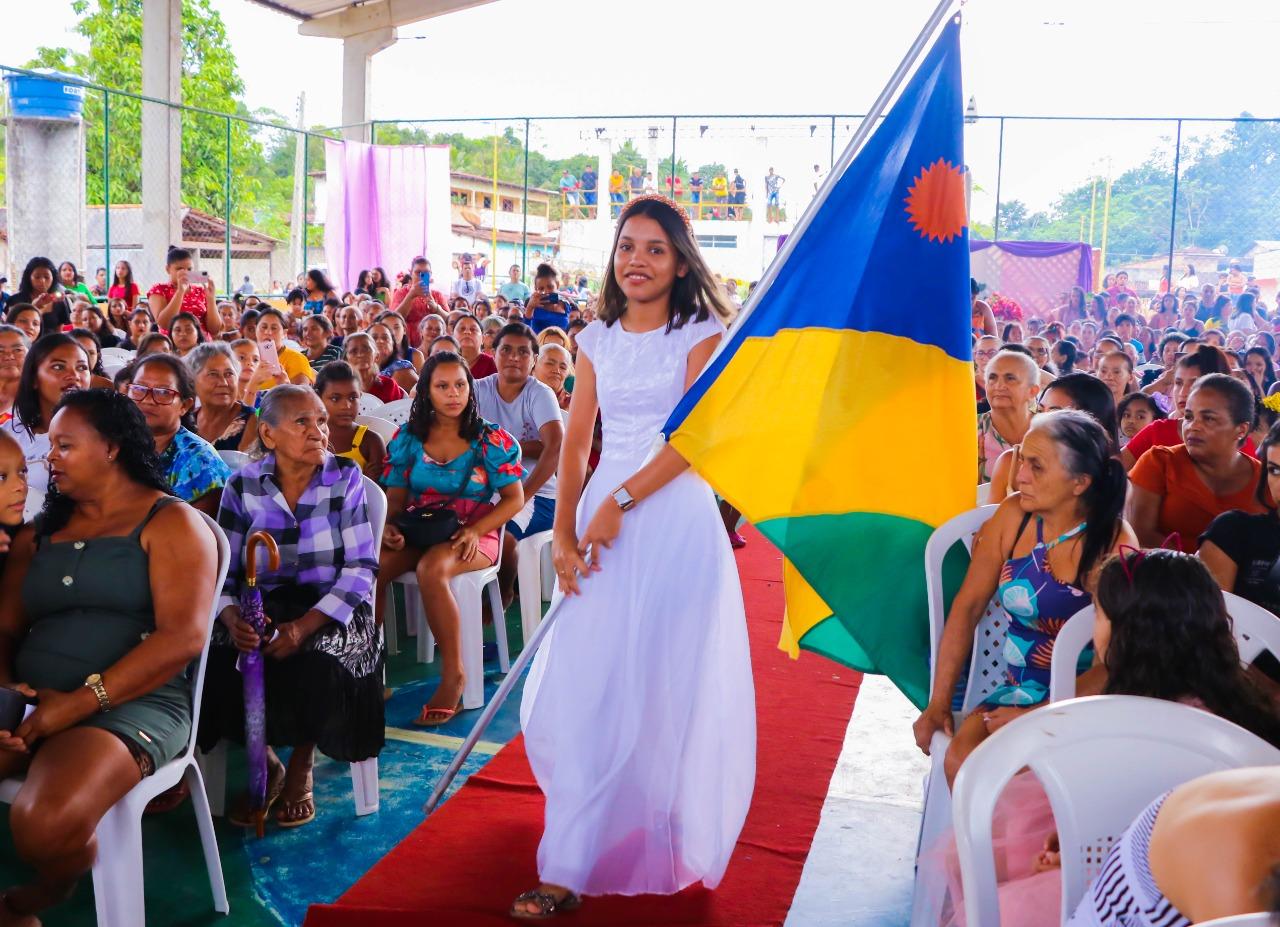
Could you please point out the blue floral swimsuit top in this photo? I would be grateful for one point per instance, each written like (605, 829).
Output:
(1038, 605)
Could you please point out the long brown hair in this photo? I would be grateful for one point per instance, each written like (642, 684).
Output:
(695, 296)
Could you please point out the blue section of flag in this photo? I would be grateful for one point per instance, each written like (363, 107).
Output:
(861, 263)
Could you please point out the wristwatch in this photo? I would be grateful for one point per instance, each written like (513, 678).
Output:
(623, 498)
(94, 682)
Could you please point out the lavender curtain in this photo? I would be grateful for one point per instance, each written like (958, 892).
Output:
(1034, 273)
(376, 214)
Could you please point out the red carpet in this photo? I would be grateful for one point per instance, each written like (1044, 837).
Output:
(464, 865)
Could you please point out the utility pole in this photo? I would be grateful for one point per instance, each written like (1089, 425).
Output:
(298, 214)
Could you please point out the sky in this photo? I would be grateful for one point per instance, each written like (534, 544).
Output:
(582, 57)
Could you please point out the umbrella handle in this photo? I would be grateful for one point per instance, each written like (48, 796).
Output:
(251, 561)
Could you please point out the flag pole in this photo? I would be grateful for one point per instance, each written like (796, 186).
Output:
(865, 128)
(491, 709)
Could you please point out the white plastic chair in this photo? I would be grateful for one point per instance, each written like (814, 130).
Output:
(467, 589)
(1260, 919)
(397, 413)
(290, 343)
(112, 367)
(1101, 761)
(984, 493)
(368, 404)
(380, 426)
(531, 580)
(118, 869)
(120, 356)
(234, 459)
(1255, 630)
(986, 666)
(364, 775)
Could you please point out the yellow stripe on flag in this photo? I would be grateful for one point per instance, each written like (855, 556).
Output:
(805, 610)
(821, 421)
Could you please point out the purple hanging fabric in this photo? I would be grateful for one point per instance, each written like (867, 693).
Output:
(1034, 273)
(377, 207)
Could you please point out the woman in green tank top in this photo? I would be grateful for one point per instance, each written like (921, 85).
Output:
(105, 602)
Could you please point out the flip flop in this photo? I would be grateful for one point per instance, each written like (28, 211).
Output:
(434, 717)
(307, 797)
(548, 905)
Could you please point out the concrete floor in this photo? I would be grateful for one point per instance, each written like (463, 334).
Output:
(860, 869)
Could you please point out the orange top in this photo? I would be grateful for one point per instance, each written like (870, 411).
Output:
(1187, 505)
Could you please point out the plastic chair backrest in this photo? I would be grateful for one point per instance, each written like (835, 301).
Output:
(984, 493)
(368, 404)
(1101, 760)
(1255, 630)
(197, 682)
(380, 426)
(123, 355)
(986, 663)
(1259, 919)
(397, 413)
(234, 459)
(376, 500)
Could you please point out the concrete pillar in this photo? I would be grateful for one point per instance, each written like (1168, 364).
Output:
(45, 191)
(161, 137)
(357, 86)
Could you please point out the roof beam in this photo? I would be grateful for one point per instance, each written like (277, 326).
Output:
(387, 14)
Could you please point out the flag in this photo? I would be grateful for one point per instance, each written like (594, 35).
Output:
(839, 415)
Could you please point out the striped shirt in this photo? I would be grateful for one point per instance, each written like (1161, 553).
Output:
(325, 540)
(1124, 893)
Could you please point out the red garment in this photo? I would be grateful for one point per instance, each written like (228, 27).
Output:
(193, 300)
(483, 366)
(1167, 432)
(386, 389)
(117, 292)
(418, 310)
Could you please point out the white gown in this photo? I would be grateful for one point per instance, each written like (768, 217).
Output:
(639, 710)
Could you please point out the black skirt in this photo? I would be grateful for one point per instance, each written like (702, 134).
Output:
(328, 693)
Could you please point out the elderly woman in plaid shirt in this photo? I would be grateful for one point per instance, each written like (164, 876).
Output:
(324, 650)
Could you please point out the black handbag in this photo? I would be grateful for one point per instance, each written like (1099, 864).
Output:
(428, 525)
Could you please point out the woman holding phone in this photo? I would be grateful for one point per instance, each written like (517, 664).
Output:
(185, 291)
(283, 363)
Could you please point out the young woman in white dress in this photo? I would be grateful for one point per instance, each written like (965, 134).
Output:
(639, 710)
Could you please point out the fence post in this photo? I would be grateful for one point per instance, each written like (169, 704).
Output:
(671, 186)
(1173, 209)
(999, 179)
(306, 177)
(831, 161)
(373, 131)
(106, 191)
(524, 229)
(226, 256)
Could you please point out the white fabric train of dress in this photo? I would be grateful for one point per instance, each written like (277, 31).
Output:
(639, 709)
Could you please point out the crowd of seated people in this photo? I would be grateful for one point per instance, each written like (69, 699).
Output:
(1144, 463)
(1103, 429)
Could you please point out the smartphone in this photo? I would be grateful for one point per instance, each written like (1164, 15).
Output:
(424, 280)
(551, 298)
(270, 356)
(198, 276)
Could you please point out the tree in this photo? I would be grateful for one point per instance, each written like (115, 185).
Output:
(210, 81)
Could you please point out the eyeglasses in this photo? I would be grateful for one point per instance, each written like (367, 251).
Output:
(160, 395)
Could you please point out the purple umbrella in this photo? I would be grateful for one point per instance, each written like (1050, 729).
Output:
(250, 665)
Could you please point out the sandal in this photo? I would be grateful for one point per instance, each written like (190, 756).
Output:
(169, 799)
(306, 799)
(242, 815)
(548, 905)
(434, 717)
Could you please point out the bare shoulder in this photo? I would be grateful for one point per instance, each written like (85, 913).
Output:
(177, 524)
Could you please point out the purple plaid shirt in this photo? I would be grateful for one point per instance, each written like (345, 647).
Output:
(326, 541)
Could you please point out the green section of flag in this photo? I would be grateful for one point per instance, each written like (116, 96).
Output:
(869, 569)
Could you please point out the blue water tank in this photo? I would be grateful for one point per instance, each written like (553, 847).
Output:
(56, 96)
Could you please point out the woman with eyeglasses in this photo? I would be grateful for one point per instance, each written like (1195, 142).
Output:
(984, 349)
(360, 352)
(221, 418)
(163, 389)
